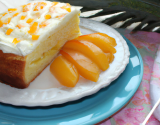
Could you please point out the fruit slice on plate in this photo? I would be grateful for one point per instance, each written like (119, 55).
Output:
(110, 56)
(86, 68)
(64, 71)
(91, 51)
(103, 41)
(106, 38)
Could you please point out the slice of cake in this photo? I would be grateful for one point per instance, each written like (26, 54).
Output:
(30, 38)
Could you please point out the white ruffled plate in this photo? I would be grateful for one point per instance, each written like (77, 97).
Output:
(45, 89)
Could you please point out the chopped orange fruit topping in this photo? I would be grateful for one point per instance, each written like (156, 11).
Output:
(43, 24)
(9, 31)
(37, 14)
(19, 26)
(1, 23)
(30, 3)
(54, 3)
(12, 9)
(35, 9)
(15, 41)
(43, 3)
(47, 16)
(25, 8)
(30, 20)
(61, 16)
(67, 7)
(23, 17)
(39, 6)
(9, 20)
(35, 37)
(33, 28)
(4, 14)
(52, 9)
(15, 14)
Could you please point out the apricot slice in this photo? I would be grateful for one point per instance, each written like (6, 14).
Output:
(110, 56)
(64, 71)
(91, 51)
(110, 39)
(86, 68)
(103, 41)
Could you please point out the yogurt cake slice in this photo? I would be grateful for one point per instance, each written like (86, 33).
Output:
(31, 37)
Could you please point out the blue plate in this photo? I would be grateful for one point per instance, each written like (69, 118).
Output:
(86, 111)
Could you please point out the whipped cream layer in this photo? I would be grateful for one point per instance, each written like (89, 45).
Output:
(23, 28)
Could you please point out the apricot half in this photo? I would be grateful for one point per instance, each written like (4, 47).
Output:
(91, 51)
(86, 68)
(103, 41)
(64, 71)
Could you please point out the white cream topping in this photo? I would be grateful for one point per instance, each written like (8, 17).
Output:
(58, 14)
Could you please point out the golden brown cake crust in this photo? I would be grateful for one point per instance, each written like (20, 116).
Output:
(12, 69)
